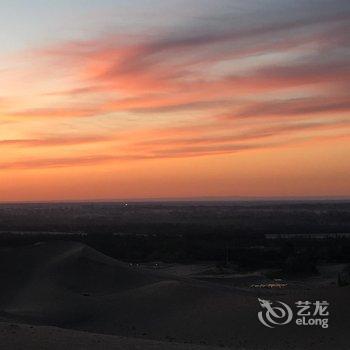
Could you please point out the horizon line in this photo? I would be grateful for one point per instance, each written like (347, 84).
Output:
(183, 199)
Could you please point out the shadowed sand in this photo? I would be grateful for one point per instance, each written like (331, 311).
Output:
(72, 286)
(20, 336)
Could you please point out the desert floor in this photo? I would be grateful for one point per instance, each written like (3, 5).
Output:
(65, 295)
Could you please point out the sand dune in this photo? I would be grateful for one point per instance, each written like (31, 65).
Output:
(72, 286)
(59, 282)
(20, 336)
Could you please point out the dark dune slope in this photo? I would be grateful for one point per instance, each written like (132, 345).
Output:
(73, 286)
(71, 265)
(20, 336)
(60, 282)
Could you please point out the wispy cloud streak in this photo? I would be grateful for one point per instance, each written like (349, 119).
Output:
(238, 83)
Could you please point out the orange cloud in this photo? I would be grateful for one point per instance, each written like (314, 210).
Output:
(206, 92)
(54, 141)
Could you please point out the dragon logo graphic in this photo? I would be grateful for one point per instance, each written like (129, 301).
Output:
(275, 313)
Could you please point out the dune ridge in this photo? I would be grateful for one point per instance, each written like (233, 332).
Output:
(72, 286)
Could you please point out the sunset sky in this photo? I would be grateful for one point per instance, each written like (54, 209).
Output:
(120, 99)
